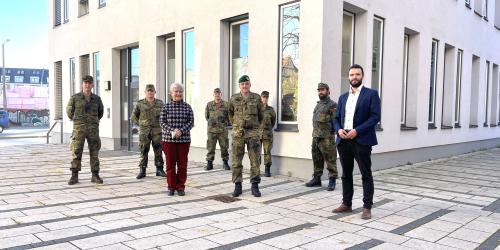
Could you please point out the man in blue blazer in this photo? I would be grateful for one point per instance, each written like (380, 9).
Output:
(357, 115)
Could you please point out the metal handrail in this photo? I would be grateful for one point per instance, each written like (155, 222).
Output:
(51, 128)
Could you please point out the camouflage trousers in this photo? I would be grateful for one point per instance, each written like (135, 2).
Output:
(237, 153)
(145, 141)
(212, 139)
(77, 143)
(267, 145)
(323, 150)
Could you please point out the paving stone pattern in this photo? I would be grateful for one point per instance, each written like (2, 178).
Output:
(449, 203)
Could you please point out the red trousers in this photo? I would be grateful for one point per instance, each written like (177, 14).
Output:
(176, 155)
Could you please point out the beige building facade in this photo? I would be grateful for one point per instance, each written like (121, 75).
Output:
(434, 63)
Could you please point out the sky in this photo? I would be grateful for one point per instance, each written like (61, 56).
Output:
(25, 23)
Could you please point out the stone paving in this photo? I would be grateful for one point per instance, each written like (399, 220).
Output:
(451, 203)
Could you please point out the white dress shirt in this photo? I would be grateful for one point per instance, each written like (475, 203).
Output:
(350, 107)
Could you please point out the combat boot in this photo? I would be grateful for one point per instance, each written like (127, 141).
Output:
(95, 178)
(226, 165)
(267, 173)
(237, 189)
(314, 182)
(209, 166)
(74, 178)
(160, 172)
(331, 184)
(142, 173)
(255, 189)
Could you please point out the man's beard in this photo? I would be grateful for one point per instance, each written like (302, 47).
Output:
(356, 85)
(322, 97)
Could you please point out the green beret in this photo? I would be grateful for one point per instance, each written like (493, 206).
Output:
(244, 78)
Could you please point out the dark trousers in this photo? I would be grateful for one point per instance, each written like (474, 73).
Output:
(350, 150)
(176, 155)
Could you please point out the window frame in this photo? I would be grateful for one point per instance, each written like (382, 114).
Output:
(487, 97)
(433, 85)
(381, 63)
(101, 3)
(353, 25)
(231, 24)
(404, 100)
(184, 32)
(285, 125)
(96, 71)
(458, 88)
(72, 74)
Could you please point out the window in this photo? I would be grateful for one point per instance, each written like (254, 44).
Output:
(497, 14)
(449, 82)
(73, 86)
(97, 73)
(347, 50)
(458, 88)
(289, 62)
(188, 57)
(405, 78)
(487, 95)
(18, 79)
(494, 96)
(474, 92)
(478, 7)
(58, 114)
(432, 86)
(57, 12)
(377, 52)
(238, 35)
(34, 79)
(170, 64)
(84, 67)
(102, 3)
(65, 10)
(83, 7)
(7, 78)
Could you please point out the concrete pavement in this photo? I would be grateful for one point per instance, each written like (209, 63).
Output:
(450, 203)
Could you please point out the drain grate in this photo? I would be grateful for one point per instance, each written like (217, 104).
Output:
(224, 198)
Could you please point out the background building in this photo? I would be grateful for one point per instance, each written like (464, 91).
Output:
(27, 95)
(434, 63)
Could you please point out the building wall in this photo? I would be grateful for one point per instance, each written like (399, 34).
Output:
(125, 23)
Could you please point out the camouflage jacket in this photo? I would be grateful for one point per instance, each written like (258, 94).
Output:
(147, 116)
(85, 113)
(322, 118)
(246, 115)
(268, 122)
(217, 116)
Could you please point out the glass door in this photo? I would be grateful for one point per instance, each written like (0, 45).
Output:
(129, 95)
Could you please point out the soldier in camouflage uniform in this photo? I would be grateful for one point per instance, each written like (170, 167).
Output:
(267, 132)
(85, 109)
(146, 114)
(216, 113)
(323, 144)
(246, 114)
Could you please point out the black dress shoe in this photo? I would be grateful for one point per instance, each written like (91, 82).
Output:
(171, 192)
(181, 192)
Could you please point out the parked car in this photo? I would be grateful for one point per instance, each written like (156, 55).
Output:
(4, 120)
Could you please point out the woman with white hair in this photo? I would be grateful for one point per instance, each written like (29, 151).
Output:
(176, 120)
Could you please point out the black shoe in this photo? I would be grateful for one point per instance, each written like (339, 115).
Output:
(181, 192)
(160, 172)
(314, 182)
(267, 172)
(237, 189)
(142, 173)
(209, 166)
(226, 165)
(74, 178)
(171, 192)
(96, 178)
(331, 184)
(255, 189)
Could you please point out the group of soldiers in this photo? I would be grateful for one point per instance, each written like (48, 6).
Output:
(249, 114)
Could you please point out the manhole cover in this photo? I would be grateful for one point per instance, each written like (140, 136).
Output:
(224, 198)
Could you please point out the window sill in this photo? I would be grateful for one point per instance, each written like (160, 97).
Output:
(66, 21)
(101, 5)
(407, 128)
(82, 15)
(473, 126)
(446, 127)
(56, 25)
(493, 125)
(432, 126)
(457, 125)
(287, 128)
(468, 6)
(485, 19)
(478, 14)
(485, 125)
